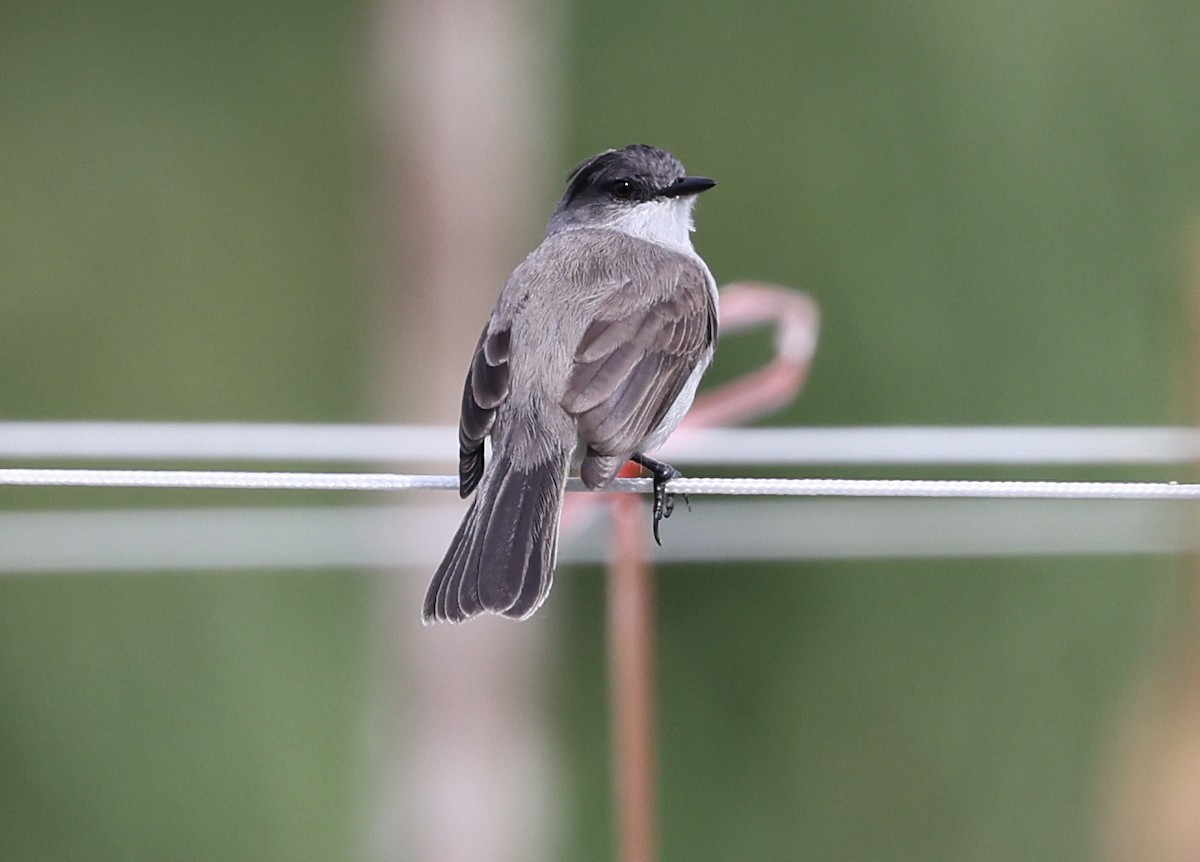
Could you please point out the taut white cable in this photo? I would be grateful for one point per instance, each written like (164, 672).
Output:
(732, 487)
(934, 488)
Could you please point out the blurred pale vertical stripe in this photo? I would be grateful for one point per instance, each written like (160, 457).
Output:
(464, 109)
(1153, 804)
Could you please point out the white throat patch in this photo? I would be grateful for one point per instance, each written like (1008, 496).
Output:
(666, 221)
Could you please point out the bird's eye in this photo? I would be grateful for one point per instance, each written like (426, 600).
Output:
(621, 189)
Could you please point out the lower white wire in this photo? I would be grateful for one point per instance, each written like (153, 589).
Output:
(729, 487)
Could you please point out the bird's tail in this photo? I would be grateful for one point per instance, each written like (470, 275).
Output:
(502, 557)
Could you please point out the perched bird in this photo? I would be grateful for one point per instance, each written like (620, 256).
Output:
(596, 345)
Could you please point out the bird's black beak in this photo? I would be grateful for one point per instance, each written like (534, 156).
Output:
(686, 186)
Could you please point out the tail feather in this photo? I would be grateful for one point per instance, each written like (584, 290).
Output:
(501, 560)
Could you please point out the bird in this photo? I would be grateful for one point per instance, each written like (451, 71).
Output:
(592, 356)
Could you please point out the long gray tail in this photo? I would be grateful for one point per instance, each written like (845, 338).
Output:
(502, 557)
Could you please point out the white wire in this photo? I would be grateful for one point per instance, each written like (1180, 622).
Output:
(722, 486)
(224, 479)
(978, 489)
(230, 441)
(934, 445)
(415, 444)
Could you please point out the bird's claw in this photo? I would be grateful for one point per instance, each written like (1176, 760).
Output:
(664, 501)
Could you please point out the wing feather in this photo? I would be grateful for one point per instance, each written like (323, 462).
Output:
(594, 383)
(634, 360)
(485, 390)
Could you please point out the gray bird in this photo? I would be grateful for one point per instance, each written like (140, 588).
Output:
(596, 345)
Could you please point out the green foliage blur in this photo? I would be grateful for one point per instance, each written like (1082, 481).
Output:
(993, 204)
(179, 240)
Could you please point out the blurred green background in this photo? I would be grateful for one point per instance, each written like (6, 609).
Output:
(993, 205)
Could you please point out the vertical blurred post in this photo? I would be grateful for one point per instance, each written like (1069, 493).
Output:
(463, 110)
(631, 650)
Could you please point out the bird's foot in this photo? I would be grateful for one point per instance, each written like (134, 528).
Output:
(664, 502)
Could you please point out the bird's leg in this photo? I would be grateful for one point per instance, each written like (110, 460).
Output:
(664, 503)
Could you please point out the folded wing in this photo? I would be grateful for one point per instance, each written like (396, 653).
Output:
(633, 362)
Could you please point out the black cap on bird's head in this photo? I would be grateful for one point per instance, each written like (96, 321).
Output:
(630, 175)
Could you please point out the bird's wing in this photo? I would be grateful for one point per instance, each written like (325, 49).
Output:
(634, 360)
(484, 392)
